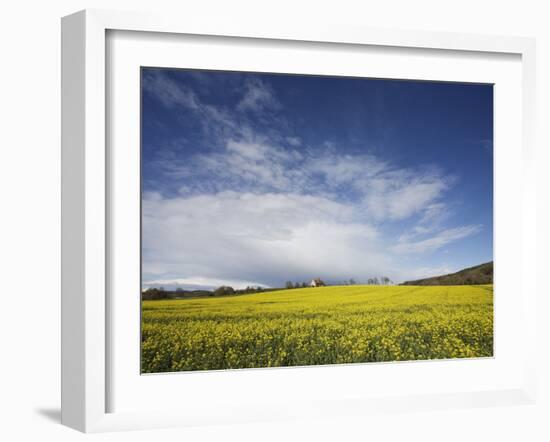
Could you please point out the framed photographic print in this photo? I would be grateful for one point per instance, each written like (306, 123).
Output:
(254, 184)
(252, 212)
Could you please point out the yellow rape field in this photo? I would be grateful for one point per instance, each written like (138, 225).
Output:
(314, 326)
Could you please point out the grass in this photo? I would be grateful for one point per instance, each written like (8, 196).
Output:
(314, 326)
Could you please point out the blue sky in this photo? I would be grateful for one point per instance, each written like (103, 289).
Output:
(256, 179)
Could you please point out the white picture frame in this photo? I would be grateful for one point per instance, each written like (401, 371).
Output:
(86, 203)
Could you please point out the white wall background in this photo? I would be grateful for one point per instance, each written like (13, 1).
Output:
(30, 215)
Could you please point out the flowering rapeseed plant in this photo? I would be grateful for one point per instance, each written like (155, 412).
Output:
(314, 326)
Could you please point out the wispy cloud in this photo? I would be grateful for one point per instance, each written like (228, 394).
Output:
(381, 190)
(401, 193)
(437, 241)
(294, 141)
(215, 120)
(258, 97)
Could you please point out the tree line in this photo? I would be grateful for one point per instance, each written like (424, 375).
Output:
(383, 280)
(178, 293)
(224, 290)
(295, 285)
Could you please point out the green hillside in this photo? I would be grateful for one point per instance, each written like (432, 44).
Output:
(480, 274)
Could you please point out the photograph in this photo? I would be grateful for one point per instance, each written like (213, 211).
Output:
(295, 220)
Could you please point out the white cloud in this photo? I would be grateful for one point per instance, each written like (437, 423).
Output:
(250, 164)
(216, 121)
(294, 141)
(269, 238)
(430, 222)
(434, 214)
(258, 97)
(169, 92)
(255, 164)
(428, 272)
(352, 170)
(401, 193)
(437, 241)
(266, 238)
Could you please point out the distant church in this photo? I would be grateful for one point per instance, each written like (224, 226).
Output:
(317, 283)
